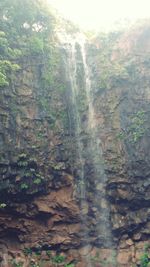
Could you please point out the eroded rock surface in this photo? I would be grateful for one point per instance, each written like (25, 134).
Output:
(39, 168)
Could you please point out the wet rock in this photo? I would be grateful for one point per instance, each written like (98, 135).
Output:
(41, 170)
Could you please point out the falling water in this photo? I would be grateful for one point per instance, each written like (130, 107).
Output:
(93, 149)
(76, 122)
(71, 74)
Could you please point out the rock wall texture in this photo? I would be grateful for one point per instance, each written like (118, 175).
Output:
(40, 206)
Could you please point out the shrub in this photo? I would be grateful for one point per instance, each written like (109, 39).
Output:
(144, 260)
(58, 259)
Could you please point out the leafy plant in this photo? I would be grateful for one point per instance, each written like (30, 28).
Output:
(135, 130)
(27, 251)
(38, 252)
(3, 79)
(22, 163)
(6, 65)
(2, 205)
(48, 253)
(26, 29)
(144, 260)
(22, 155)
(24, 186)
(16, 264)
(36, 45)
(37, 181)
(58, 259)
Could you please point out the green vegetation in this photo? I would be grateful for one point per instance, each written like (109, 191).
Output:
(37, 181)
(7, 56)
(110, 71)
(34, 256)
(135, 129)
(2, 205)
(16, 264)
(27, 251)
(26, 30)
(113, 67)
(24, 186)
(28, 176)
(145, 258)
(58, 259)
(28, 47)
(38, 252)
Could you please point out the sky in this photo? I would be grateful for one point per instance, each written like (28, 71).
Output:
(101, 14)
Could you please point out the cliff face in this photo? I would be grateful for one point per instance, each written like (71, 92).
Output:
(46, 146)
(123, 117)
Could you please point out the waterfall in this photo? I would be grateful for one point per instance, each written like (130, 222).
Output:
(71, 71)
(89, 154)
(95, 151)
(76, 122)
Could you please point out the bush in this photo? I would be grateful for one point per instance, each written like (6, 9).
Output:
(144, 260)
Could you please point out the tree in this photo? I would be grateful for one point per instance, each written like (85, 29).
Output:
(26, 29)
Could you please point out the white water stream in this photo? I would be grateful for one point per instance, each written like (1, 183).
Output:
(93, 150)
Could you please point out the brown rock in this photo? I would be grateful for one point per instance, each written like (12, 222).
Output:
(42, 206)
(81, 264)
(86, 250)
(129, 242)
(124, 256)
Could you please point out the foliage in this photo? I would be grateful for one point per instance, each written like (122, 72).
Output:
(58, 259)
(144, 260)
(22, 163)
(2, 205)
(27, 251)
(26, 17)
(36, 45)
(37, 252)
(109, 71)
(48, 253)
(26, 27)
(135, 129)
(37, 181)
(24, 186)
(28, 175)
(16, 264)
(6, 56)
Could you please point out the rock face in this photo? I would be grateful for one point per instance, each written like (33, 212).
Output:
(41, 209)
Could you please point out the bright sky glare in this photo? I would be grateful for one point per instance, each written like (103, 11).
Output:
(101, 14)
